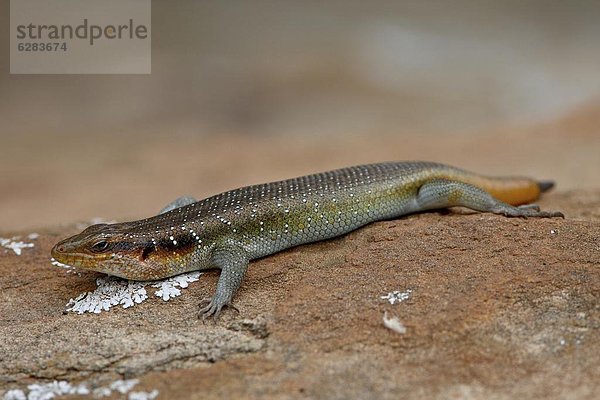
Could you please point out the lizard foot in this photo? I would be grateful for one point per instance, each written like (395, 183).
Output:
(527, 211)
(535, 210)
(213, 308)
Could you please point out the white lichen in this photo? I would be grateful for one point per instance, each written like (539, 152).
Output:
(47, 391)
(394, 324)
(15, 394)
(112, 291)
(124, 386)
(167, 289)
(101, 392)
(143, 395)
(68, 268)
(397, 296)
(59, 264)
(15, 244)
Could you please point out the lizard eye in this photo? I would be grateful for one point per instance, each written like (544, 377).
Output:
(100, 246)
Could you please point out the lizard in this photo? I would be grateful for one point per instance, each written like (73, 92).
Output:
(228, 230)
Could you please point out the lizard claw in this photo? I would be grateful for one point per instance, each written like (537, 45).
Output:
(205, 301)
(209, 309)
(234, 308)
(213, 308)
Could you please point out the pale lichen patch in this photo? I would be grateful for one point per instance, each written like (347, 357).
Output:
(46, 391)
(397, 296)
(112, 291)
(15, 244)
(394, 324)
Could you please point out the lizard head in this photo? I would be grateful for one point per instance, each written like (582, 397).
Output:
(108, 248)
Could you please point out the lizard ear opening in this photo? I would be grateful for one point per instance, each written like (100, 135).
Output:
(146, 252)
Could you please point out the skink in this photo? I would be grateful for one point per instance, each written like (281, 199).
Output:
(228, 230)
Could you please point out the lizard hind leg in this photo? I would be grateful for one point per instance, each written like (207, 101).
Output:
(443, 193)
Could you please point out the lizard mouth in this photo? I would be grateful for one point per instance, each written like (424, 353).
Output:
(62, 253)
(59, 253)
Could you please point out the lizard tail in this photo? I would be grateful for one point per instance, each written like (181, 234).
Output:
(514, 190)
(545, 185)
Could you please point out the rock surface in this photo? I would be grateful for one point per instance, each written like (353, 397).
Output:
(500, 308)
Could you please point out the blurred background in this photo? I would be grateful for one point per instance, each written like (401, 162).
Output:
(244, 92)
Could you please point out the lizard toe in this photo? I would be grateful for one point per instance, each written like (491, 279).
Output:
(213, 309)
(205, 301)
(533, 207)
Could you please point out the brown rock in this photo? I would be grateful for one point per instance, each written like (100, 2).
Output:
(500, 308)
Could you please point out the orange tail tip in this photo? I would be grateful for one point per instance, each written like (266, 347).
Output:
(517, 191)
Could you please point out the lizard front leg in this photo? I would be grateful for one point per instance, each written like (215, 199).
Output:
(178, 203)
(232, 260)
